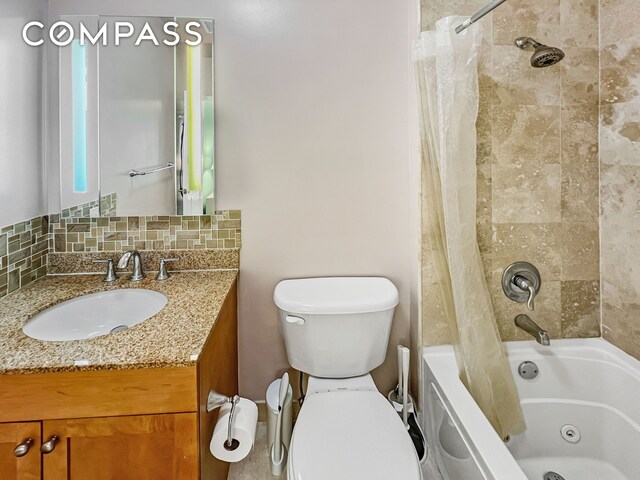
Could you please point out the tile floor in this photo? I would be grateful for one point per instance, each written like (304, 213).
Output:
(256, 465)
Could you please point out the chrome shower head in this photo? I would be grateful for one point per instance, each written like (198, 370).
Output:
(544, 56)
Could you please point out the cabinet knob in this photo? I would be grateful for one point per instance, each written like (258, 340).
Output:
(49, 445)
(22, 449)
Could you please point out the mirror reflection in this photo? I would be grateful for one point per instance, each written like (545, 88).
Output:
(137, 117)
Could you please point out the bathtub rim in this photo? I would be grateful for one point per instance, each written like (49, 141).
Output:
(486, 445)
(493, 453)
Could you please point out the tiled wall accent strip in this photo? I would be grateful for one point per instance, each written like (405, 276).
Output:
(221, 230)
(108, 205)
(24, 246)
(23, 253)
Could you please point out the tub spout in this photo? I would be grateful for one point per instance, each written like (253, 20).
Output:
(525, 323)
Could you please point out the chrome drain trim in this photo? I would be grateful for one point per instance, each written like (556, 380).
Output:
(528, 370)
(552, 476)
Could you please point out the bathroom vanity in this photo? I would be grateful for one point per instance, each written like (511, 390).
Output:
(115, 386)
(128, 405)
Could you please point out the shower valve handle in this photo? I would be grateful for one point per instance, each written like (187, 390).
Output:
(521, 283)
(526, 285)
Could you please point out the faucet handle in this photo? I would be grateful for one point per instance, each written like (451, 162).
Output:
(525, 284)
(110, 276)
(163, 274)
(521, 283)
(531, 299)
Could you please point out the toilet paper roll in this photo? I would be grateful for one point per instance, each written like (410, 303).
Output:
(245, 420)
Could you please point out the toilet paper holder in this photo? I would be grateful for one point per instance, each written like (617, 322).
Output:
(215, 400)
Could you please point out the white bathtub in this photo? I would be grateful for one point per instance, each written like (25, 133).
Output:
(587, 384)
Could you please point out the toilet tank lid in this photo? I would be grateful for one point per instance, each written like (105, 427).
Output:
(336, 295)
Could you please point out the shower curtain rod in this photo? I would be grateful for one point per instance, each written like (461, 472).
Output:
(479, 14)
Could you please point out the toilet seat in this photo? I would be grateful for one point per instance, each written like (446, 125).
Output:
(351, 434)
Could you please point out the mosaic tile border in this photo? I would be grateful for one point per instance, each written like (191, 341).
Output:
(25, 246)
(23, 253)
(117, 234)
(108, 204)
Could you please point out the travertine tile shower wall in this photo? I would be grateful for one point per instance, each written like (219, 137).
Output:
(620, 172)
(537, 163)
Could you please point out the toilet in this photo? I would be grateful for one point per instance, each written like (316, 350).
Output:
(336, 330)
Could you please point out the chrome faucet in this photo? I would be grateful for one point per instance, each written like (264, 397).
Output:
(523, 322)
(137, 273)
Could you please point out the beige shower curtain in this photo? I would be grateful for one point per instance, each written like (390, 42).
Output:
(446, 65)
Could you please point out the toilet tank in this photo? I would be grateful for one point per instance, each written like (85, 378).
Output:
(336, 327)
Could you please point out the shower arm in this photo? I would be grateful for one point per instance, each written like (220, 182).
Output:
(524, 42)
(479, 14)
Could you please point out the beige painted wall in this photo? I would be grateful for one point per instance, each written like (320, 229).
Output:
(316, 144)
(537, 164)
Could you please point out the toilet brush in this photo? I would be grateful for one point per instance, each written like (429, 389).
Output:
(278, 452)
(402, 402)
(399, 388)
(405, 386)
(395, 395)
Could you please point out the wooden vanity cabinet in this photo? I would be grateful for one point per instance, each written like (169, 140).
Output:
(130, 424)
(144, 447)
(27, 465)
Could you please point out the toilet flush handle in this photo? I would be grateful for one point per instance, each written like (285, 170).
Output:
(295, 320)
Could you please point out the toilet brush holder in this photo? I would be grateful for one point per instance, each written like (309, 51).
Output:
(404, 405)
(279, 422)
(278, 464)
(272, 401)
(396, 401)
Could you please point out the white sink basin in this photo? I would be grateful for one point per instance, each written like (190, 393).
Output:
(95, 315)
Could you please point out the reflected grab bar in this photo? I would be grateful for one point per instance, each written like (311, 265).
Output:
(136, 173)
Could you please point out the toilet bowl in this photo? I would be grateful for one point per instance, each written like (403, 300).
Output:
(336, 330)
(350, 432)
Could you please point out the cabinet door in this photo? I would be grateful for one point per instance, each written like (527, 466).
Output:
(23, 464)
(145, 447)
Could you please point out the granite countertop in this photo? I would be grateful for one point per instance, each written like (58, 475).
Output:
(173, 337)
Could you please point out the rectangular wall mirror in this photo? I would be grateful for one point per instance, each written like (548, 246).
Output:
(137, 117)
